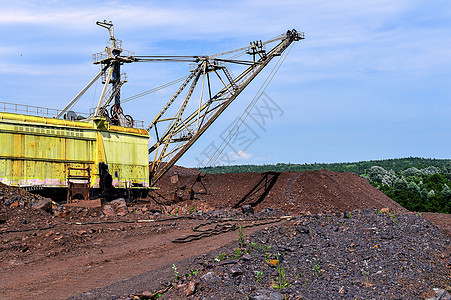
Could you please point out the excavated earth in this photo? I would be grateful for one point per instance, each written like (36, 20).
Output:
(339, 237)
(296, 192)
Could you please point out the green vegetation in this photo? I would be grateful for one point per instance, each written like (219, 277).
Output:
(258, 275)
(267, 257)
(222, 256)
(393, 218)
(239, 252)
(176, 273)
(282, 281)
(241, 238)
(397, 165)
(256, 247)
(317, 267)
(418, 184)
(366, 271)
(191, 272)
(427, 189)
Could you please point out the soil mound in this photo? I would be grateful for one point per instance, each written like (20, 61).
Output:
(297, 192)
(182, 171)
(179, 170)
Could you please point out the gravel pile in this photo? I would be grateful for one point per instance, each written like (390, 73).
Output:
(363, 254)
(12, 196)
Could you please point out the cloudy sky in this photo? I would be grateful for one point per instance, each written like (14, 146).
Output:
(371, 80)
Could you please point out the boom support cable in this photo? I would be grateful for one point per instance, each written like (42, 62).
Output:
(247, 111)
(154, 89)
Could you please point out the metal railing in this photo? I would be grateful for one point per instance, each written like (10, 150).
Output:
(48, 112)
(28, 109)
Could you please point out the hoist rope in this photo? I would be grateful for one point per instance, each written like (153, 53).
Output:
(154, 89)
(165, 85)
(247, 111)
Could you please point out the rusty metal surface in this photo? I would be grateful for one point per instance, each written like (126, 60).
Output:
(78, 184)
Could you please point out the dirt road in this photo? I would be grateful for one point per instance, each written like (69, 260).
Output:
(103, 259)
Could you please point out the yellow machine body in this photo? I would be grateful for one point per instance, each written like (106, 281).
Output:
(38, 152)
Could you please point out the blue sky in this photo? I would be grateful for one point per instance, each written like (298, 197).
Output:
(372, 79)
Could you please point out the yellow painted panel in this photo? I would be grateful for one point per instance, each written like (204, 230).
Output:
(6, 142)
(39, 151)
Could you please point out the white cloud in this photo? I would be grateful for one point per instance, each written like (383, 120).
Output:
(240, 155)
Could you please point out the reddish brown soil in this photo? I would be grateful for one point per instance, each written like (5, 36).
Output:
(69, 259)
(443, 221)
(295, 192)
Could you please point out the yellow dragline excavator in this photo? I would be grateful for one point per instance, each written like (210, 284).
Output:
(107, 150)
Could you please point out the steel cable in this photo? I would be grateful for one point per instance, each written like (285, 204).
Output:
(247, 111)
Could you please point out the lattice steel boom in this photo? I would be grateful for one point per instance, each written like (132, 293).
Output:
(182, 132)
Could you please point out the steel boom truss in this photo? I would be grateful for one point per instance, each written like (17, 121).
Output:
(181, 132)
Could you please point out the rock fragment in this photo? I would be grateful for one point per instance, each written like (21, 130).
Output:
(247, 210)
(210, 278)
(44, 204)
(116, 207)
(190, 288)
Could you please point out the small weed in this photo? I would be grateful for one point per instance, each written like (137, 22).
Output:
(176, 273)
(282, 281)
(256, 246)
(349, 215)
(191, 272)
(317, 267)
(192, 210)
(238, 252)
(393, 218)
(267, 257)
(258, 276)
(365, 270)
(241, 238)
(221, 257)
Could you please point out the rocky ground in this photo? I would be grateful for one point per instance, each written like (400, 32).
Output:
(344, 239)
(363, 254)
